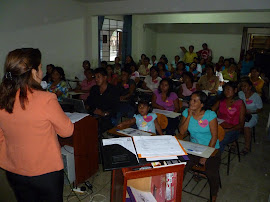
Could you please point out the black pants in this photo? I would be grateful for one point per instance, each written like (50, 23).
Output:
(47, 187)
(173, 124)
(211, 170)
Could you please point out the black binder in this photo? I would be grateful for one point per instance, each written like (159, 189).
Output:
(115, 156)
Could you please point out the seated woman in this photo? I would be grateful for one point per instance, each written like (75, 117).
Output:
(230, 73)
(126, 89)
(180, 69)
(220, 64)
(103, 100)
(164, 98)
(226, 65)
(144, 118)
(86, 84)
(254, 105)
(163, 73)
(58, 84)
(255, 78)
(144, 69)
(152, 82)
(112, 77)
(193, 69)
(208, 82)
(48, 76)
(201, 66)
(232, 110)
(135, 76)
(203, 127)
(187, 88)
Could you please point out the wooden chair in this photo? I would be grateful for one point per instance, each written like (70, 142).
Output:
(162, 121)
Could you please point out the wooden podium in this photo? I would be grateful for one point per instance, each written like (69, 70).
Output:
(85, 143)
(120, 178)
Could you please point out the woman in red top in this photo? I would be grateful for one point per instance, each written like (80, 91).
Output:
(30, 120)
(232, 110)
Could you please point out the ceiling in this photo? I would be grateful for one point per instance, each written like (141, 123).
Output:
(97, 1)
(214, 28)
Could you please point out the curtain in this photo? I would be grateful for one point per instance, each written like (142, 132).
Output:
(127, 36)
(244, 43)
(100, 24)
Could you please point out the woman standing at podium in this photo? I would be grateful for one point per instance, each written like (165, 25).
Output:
(30, 120)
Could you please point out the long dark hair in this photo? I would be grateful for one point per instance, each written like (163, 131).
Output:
(18, 76)
(170, 86)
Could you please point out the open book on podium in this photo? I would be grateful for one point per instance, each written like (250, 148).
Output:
(137, 150)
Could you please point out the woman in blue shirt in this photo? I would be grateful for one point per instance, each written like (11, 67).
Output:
(247, 64)
(203, 127)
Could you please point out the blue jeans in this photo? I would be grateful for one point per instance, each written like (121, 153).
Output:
(229, 137)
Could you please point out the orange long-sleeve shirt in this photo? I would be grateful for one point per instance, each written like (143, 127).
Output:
(28, 138)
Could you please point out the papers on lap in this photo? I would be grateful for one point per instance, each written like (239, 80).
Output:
(75, 117)
(197, 149)
(169, 114)
(158, 146)
(133, 132)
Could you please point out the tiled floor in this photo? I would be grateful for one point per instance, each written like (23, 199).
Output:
(249, 180)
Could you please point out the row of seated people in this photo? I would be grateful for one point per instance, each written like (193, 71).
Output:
(122, 100)
(238, 110)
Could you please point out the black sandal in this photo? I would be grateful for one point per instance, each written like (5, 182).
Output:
(245, 151)
(197, 177)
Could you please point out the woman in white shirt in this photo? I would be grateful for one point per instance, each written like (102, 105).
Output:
(152, 82)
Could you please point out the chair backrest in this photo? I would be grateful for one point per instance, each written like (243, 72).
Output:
(221, 133)
(162, 120)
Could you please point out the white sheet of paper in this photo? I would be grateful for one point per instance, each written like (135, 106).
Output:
(125, 142)
(220, 121)
(158, 146)
(74, 117)
(167, 113)
(142, 196)
(197, 149)
(143, 90)
(160, 158)
(206, 92)
(133, 132)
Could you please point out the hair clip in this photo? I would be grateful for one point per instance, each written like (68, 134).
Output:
(8, 75)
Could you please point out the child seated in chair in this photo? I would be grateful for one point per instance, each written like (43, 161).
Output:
(144, 119)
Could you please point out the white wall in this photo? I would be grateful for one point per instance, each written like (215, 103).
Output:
(226, 45)
(174, 6)
(140, 35)
(150, 42)
(61, 44)
(61, 29)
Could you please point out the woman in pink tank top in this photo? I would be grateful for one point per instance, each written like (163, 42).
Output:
(232, 110)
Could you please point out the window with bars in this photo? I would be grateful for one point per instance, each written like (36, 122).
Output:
(259, 41)
(111, 39)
